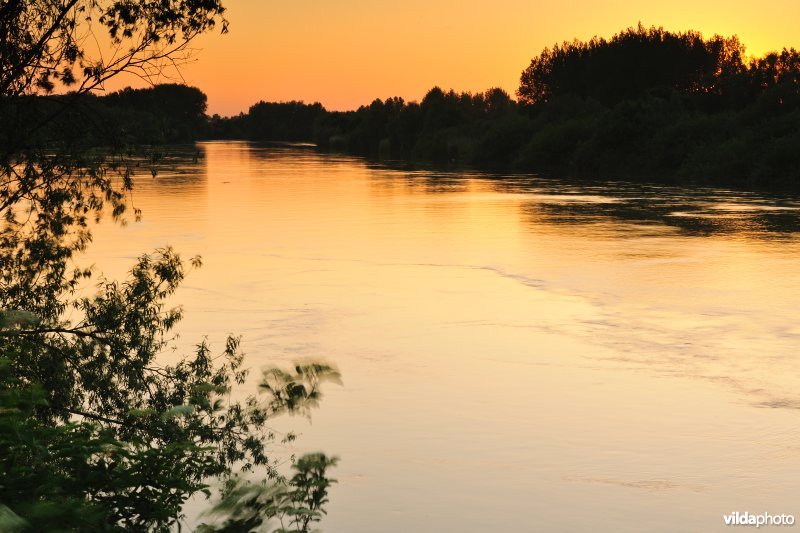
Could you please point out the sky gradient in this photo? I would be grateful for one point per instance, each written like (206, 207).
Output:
(347, 53)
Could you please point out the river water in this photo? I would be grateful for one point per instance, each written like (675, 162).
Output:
(517, 354)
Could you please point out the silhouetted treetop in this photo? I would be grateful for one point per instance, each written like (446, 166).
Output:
(776, 68)
(632, 63)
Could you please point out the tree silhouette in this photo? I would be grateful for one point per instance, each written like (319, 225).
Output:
(97, 432)
(631, 64)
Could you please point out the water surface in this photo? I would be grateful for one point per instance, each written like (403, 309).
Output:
(518, 354)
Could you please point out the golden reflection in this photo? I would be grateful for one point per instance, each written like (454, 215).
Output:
(505, 344)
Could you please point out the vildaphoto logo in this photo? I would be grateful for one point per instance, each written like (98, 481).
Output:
(765, 519)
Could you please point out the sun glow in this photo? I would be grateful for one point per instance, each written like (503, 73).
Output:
(345, 54)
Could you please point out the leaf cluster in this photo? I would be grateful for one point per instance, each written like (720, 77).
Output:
(278, 507)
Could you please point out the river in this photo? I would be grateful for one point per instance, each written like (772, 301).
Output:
(518, 354)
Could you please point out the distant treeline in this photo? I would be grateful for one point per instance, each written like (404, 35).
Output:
(164, 114)
(645, 104)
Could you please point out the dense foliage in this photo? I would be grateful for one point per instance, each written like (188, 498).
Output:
(632, 64)
(98, 432)
(159, 115)
(645, 104)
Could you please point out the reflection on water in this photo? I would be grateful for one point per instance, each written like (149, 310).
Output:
(518, 354)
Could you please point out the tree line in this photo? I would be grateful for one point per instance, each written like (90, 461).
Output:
(645, 104)
(162, 114)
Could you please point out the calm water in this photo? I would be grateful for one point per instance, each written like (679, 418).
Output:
(518, 355)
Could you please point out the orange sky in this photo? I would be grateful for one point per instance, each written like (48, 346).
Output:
(348, 52)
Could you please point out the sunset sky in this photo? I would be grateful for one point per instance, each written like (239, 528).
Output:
(349, 52)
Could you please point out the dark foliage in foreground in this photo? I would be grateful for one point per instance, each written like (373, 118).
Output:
(104, 424)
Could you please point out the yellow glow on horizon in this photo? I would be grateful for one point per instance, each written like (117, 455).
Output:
(347, 53)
